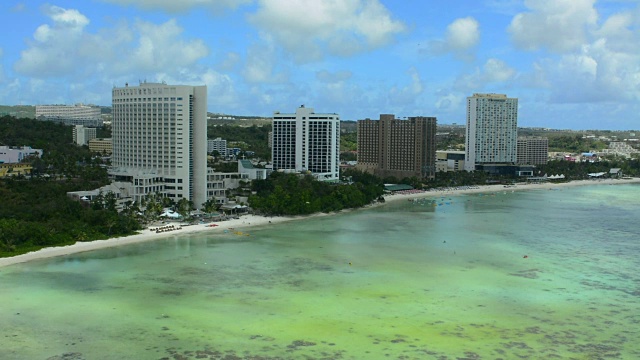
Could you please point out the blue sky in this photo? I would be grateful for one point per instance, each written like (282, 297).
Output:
(573, 64)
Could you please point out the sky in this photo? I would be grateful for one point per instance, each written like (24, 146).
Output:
(573, 64)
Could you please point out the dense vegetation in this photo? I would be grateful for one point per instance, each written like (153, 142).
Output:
(36, 212)
(255, 137)
(291, 194)
(577, 170)
(349, 141)
(574, 144)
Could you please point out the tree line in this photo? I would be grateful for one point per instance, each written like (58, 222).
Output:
(293, 194)
(35, 211)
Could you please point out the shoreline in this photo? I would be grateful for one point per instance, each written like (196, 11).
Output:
(477, 189)
(250, 221)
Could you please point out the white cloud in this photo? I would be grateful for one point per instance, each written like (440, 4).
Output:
(596, 74)
(309, 29)
(557, 25)
(463, 34)
(65, 55)
(53, 51)
(335, 77)
(19, 7)
(618, 32)
(448, 102)
(407, 94)
(496, 70)
(606, 68)
(65, 48)
(160, 46)
(181, 5)
(493, 71)
(230, 62)
(262, 63)
(220, 87)
(461, 37)
(337, 96)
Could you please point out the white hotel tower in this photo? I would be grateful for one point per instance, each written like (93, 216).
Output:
(492, 130)
(160, 140)
(306, 141)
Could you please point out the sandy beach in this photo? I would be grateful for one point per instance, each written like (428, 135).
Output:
(477, 189)
(245, 222)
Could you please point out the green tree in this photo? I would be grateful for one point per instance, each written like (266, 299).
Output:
(184, 207)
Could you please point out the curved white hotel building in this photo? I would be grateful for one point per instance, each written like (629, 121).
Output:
(306, 141)
(159, 134)
(77, 114)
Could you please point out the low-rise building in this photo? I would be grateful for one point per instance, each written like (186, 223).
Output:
(449, 160)
(13, 169)
(253, 173)
(82, 134)
(9, 154)
(101, 145)
(218, 184)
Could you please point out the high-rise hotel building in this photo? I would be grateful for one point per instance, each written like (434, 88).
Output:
(492, 130)
(396, 147)
(159, 136)
(307, 141)
(533, 150)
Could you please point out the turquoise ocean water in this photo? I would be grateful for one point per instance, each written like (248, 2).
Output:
(443, 279)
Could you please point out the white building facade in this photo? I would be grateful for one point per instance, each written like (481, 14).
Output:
(14, 155)
(306, 141)
(217, 144)
(82, 135)
(492, 130)
(78, 114)
(159, 135)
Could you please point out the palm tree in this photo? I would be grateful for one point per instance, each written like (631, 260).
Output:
(184, 206)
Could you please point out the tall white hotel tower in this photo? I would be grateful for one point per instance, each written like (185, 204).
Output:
(306, 141)
(492, 130)
(160, 140)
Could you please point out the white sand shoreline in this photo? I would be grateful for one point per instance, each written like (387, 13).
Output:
(247, 221)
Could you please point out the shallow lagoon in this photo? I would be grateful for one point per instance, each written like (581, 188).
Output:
(432, 279)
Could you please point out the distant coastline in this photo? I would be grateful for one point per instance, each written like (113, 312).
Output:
(242, 226)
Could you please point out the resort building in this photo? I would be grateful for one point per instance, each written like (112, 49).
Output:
(398, 148)
(13, 155)
(159, 135)
(82, 135)
(217, 144)
(449, 160)
(307, 142)
(533, 150)
(219, 184)
(78, 114)
(492, 131)
(101, 145)
(620, 148)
